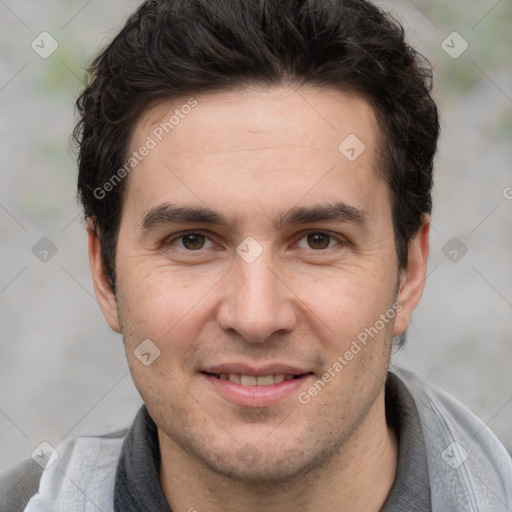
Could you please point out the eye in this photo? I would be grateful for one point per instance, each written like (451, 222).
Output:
(317, 240)
(192, 241)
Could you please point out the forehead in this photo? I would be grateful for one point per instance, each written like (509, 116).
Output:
(319, 117)
(256, 147)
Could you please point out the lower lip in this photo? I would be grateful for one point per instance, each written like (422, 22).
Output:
(256, 396)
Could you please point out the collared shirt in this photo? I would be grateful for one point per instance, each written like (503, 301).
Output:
(137, 484)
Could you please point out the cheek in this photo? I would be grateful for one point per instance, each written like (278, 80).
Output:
(156, 301)
(172, 311)
(346, 302)
(160, 332)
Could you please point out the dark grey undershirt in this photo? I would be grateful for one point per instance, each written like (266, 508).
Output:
(137, 484)
(411, 490)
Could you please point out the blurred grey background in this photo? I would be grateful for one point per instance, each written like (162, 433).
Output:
(63, 372)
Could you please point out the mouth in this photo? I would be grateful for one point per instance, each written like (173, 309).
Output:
(254, 380)
(252, 389)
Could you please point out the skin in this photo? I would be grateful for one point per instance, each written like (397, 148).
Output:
(252, 155)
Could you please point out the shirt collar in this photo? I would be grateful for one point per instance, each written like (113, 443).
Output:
(137, 484)
(411, 490)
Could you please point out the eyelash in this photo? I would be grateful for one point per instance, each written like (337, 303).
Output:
(338, 239)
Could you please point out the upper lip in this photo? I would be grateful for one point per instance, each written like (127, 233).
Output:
(247, 369)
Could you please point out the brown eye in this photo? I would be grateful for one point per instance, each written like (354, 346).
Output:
(318, 240)
(193, 241)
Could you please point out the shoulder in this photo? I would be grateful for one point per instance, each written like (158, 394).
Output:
(77, 467)
(463, 453)
(18, 485)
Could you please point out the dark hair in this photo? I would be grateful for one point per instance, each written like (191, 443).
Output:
(173, 48)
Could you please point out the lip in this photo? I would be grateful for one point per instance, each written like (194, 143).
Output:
(255, 396)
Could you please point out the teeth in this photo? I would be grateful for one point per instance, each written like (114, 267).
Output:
(251, 380)
(234, 377)
(248, 380)
(265, 380)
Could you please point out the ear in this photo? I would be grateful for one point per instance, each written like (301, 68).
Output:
(104, 293)
(412, 279)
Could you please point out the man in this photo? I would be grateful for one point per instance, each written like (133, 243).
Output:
(256, 178)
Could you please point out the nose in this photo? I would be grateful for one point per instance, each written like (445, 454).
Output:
(256, 303)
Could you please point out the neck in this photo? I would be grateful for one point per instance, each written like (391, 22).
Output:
(359, 476)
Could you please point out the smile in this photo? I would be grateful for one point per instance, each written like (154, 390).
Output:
(252, 391)
(253, 380)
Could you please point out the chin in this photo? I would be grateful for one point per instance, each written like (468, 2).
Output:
(268, 469)
(261, 462)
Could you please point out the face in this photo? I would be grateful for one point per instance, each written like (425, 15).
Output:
(258, 258)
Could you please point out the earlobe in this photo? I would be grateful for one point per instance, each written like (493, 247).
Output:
(412, 281)
(104, 294)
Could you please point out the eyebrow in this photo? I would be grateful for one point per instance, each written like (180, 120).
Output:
(337, 212)
(168, 213)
